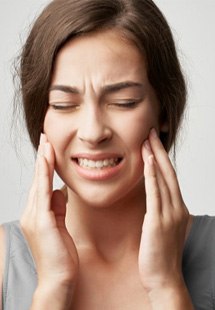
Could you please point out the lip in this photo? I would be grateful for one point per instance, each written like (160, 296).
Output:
(103, 174)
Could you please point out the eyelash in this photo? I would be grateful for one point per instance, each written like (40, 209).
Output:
(64, 107)
(128, 104)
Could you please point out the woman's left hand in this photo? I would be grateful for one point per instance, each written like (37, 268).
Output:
(165, 221)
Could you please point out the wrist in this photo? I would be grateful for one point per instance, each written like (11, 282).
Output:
(173, 295)
(58, 295)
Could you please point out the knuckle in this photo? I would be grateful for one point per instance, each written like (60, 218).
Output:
(182, 217)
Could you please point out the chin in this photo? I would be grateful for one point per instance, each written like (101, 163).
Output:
(101, 197)
(97, 198)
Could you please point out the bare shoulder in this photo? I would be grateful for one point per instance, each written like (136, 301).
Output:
(2, 258)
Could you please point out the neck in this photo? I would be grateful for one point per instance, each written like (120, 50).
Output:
(111, 231)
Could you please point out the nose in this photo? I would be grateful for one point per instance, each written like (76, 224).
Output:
(93, 128)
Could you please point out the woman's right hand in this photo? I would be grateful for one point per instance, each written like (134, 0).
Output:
(43, 224)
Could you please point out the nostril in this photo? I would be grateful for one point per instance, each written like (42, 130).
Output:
(93, 130)
(95, 138)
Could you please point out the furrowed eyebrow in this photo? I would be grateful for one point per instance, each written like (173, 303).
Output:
(65, 89)
(105, 89)
(119, 86)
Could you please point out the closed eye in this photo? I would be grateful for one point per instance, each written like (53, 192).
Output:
(126, 104)
(63, 106)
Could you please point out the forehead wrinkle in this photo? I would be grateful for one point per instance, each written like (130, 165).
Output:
(106, 89)
(100, 68)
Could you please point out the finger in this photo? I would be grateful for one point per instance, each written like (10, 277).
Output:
(153, 195)
(59, 209)
(58, 206)
(44, 186)
(166, 167)
(49, 156)
(40, 152)
(43, 138)
(48, 152)
(164, 191)
(35, 198)
(31, 202)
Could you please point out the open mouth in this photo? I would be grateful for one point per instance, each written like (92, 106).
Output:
(97, 164)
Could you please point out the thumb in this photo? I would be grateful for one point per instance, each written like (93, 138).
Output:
(58, 206)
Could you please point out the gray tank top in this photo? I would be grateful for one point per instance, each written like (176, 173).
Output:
(20, 277)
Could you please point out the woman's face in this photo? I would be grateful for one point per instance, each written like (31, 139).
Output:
(101, 109)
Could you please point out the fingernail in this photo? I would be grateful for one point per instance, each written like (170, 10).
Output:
(153, 133)
(147, 145)
(42, 138)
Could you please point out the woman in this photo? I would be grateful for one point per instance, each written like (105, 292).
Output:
(103, 96)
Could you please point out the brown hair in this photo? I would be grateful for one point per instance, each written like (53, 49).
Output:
(139, 20)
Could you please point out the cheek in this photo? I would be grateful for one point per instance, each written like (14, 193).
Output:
(135, 135)
(137, 129)
(56, 132)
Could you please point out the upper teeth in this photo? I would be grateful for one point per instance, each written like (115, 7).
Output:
(97, 163)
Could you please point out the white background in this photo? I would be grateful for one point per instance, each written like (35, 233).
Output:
(193, 26)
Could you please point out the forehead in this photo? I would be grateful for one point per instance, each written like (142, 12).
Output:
(105, 55)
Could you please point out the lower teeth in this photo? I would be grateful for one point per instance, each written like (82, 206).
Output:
(113, 165)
